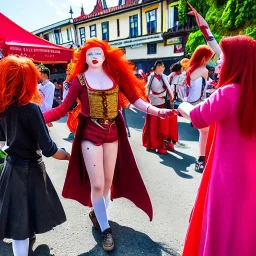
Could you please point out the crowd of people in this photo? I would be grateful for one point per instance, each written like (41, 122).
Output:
(101, 82)
(190, 80)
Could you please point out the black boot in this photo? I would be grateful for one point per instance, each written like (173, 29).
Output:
(107, 240)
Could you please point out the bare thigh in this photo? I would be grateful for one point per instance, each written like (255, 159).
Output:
(93, 158)
(109, 163)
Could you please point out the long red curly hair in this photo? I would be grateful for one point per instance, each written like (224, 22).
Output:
(239, 67)
(115, 65)
(200, 57)
(18, 82)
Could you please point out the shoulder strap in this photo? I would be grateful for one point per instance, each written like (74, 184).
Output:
(150, 83)
(81, 79)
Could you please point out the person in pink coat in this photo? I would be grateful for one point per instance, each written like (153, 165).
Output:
(223, 221)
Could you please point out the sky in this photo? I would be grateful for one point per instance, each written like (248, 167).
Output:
(35, 14)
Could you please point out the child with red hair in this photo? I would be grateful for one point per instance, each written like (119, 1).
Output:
(29, 203)
(224, 216)
(104, 81)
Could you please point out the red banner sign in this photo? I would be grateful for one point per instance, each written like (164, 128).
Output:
(40, 54)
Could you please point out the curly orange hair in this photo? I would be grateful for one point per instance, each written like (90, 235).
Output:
(185, 63)
(200, 57)
(115, 65)
(18, 82)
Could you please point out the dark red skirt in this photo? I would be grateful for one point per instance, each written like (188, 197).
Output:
(97, 135)
(156, 130)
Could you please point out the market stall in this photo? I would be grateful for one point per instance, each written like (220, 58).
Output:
(16, 40)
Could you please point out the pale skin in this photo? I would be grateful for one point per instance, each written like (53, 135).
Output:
(100, 160)
(203, 133)
(185, 108)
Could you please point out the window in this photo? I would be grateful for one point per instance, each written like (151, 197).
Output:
(151, 21)
(122, 2)
(93, 31)
(82, 35)
(151, 48)
(46, 37)
(57, 36)
(105, 31)
(134, 26)
(68, 35)
(173, 18)
(118, 27)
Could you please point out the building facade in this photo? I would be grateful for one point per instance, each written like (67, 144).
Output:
(61, 33)
(147, 30)
(137, 26)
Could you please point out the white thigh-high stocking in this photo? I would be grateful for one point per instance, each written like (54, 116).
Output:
(107, 199)
(20, 247)
(100, 212)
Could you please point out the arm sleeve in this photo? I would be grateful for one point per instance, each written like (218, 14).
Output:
(40, 133)
(219, 106)
(148, 85)
(63, 108)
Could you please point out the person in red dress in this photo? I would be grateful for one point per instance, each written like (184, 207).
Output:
(101, 158)
(156, 129)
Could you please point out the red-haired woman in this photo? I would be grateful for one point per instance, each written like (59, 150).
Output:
(29, 203)
(104, 81)
(224, 216)
(197, 74)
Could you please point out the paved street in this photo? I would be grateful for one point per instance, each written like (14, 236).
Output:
(171, 182)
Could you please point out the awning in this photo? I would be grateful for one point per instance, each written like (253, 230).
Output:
(16, 40)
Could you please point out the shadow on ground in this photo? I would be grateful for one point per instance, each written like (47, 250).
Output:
(187, 132)
(41, 250)
(130, 242)
(178, 161)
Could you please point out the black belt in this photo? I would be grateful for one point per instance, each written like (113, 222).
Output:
(22, 162)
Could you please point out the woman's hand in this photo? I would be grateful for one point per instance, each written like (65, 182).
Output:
(199, 19)
(184, 110)
(202, 24)
(167, 113)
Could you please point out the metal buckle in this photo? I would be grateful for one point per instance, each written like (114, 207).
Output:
(105, 121)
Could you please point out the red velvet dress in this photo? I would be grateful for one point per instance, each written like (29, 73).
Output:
(156, 129)
(127, 181)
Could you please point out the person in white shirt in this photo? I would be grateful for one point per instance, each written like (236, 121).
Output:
(47, 89)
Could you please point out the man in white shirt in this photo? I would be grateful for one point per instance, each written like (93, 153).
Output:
(47, 89)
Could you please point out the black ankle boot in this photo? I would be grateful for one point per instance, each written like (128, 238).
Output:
(107, 240)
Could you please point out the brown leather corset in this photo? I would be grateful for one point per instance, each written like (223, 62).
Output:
(103, 103)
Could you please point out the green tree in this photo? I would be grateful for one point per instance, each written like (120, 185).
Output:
(182, 10)
(195, 39)
(225, 18)
(229, 15)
